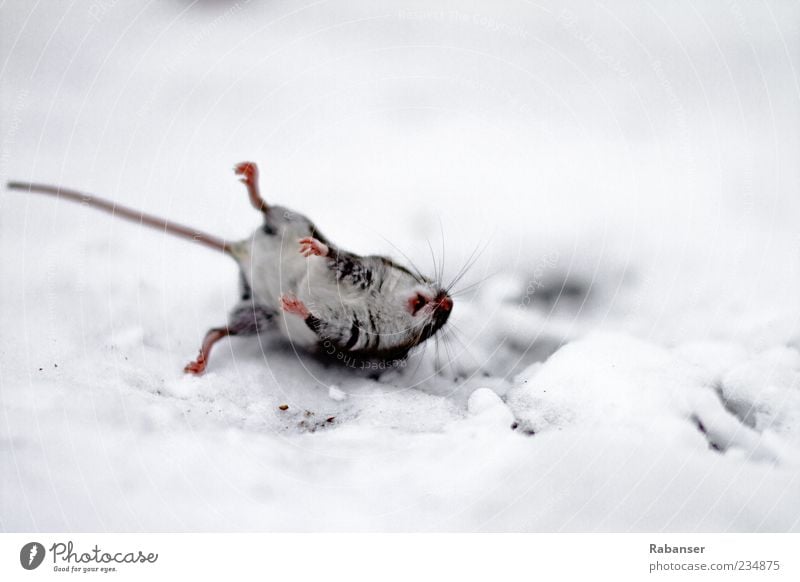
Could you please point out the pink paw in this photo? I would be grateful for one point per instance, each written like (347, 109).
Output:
(248, 171)
(293, 305)
(197, 367)
(311, 246)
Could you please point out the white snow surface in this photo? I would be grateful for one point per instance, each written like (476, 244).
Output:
(628, 174)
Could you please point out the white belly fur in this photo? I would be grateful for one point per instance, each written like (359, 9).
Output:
(273, 266)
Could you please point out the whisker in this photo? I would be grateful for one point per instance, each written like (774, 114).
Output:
(471, 263)
(450, 285)
(436, 365)
(441, 268)
(471, 286)
(450, 356)
(449, 359)
(421, 358)
(466, 267)
(433, 257)
(461, 293)
(405, 256)
(455, 331)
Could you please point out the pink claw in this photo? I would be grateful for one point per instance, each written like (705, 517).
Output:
(291, 304)
(197, 367)
(248, 171)
(311, 246)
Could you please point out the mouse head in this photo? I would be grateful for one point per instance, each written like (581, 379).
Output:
(414, 308)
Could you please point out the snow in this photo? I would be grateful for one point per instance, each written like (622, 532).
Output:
(336, 393)
(628, 359)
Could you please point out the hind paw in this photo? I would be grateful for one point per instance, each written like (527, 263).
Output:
(197, 367)
(248, 171)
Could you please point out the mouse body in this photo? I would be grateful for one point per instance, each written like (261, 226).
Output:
(297, 282)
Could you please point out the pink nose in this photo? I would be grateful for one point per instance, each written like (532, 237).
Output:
(445, 303)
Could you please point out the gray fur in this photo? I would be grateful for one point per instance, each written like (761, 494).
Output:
(359, 305)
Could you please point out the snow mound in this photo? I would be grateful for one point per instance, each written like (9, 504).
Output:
(616, 382)
(764, 392)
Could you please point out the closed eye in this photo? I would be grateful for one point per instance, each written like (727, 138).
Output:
(417, 302)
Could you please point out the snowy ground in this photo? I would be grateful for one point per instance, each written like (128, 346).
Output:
(630, 169)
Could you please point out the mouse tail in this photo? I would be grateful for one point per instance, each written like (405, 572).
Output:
(127, 213)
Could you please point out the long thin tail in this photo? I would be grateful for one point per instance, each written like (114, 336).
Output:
(127, 213)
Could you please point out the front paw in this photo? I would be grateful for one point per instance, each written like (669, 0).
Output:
(291, 304)
(311, 246)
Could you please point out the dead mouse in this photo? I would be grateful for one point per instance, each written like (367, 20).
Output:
(297, 281)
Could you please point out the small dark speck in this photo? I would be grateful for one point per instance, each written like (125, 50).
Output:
(515, 426)
(330, 419)
(40, 369)
(284, 407)
(309, 413)
(56, 365)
